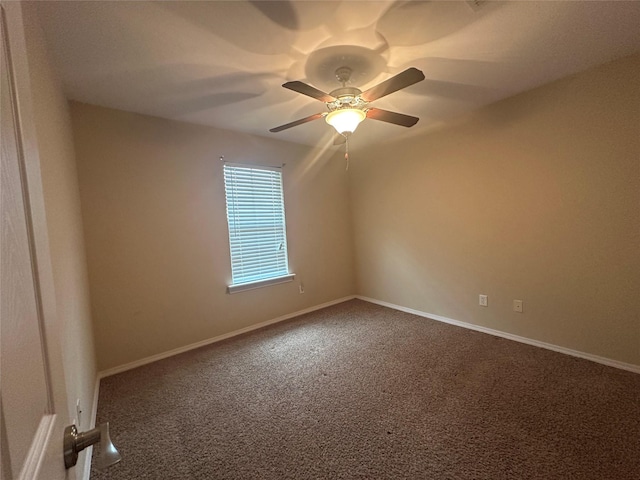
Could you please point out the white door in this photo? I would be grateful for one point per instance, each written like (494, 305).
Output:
(33, 407)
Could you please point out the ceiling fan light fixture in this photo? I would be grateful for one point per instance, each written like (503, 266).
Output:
(345, 120)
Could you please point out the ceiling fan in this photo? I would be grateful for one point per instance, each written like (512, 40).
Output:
(348, 106)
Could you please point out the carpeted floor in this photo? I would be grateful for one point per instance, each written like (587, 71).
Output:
(361, 391)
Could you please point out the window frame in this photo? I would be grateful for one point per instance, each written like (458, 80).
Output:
(235, 236)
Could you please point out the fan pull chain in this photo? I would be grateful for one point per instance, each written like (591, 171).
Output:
(346, 151)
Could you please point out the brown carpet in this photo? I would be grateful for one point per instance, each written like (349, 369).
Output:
(362, 391)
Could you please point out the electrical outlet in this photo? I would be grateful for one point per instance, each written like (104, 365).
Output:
(483, 301)
(517, 306)
(301, 287)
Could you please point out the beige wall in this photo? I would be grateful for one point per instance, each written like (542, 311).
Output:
(64, 223)
(157, 241)
(534, 198)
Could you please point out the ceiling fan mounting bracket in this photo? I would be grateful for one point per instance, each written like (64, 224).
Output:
(322, 66)
(343, 74)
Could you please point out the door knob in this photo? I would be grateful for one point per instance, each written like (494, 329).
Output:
(75, 442)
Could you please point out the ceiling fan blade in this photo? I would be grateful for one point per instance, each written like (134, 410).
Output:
(402, 80)
(392, 117)
(309, 91)
(298, 122)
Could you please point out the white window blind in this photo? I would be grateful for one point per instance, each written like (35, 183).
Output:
(257, 233)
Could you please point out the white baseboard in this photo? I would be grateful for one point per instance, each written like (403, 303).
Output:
(86, 473)
(186, 348)
(536, 343)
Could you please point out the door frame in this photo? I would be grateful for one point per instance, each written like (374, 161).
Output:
(46, 451)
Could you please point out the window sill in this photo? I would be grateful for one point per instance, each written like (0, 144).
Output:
(241, 287)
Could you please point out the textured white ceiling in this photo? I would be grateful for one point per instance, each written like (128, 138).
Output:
(223, 63)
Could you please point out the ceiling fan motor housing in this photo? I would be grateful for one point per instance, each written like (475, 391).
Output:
(348, 109)
(346, 97)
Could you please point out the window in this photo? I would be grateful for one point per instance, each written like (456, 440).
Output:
(257, 233)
